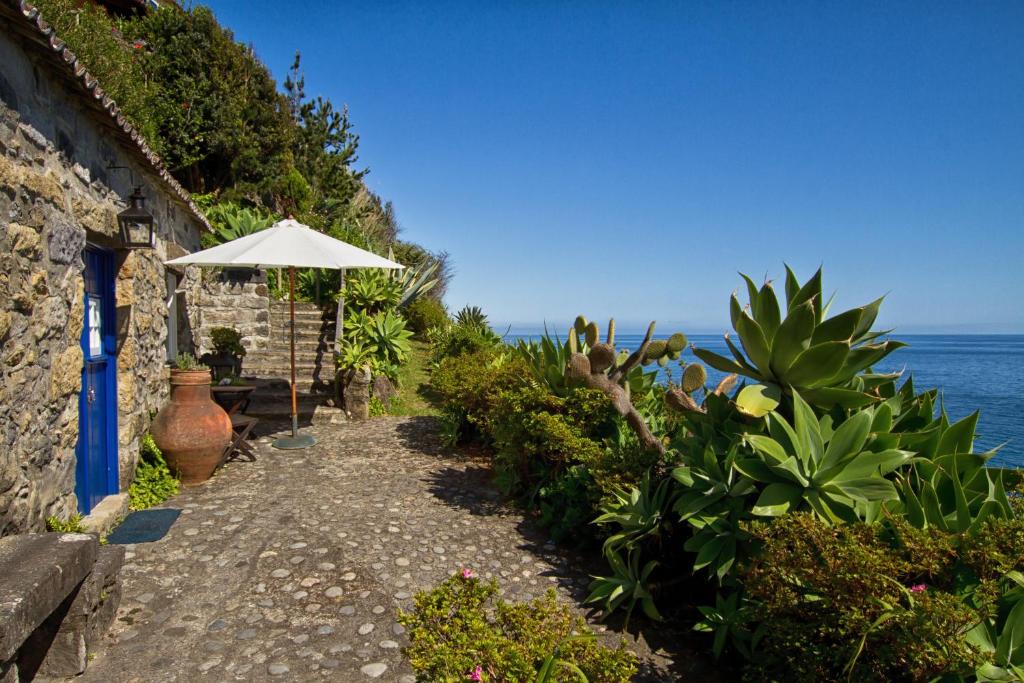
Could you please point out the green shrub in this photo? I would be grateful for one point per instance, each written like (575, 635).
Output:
(459, 340)
(153, 482)
(459, 628)
(377, 407)
(73, 524)
(425, 313)
(470, 384)
(227, 340)
(875, 603)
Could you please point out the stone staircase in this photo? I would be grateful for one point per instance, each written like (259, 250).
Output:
(269, 369)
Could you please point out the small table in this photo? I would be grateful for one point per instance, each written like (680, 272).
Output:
(235, 400)
(232, 398)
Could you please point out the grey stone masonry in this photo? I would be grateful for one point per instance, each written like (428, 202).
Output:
(39, 572)
(64, 176)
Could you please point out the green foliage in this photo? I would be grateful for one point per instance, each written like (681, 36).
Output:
(73, 524)
(861, 602)
(426, 313)
(471, 384)
(460, 627)
(471, 316)
(231, 221)
(106, 47)
(380, 341)
(186, 361)
(370, 291)
(415, 281)
(377, 407)
(822, 358)
(227, 340)
(153, 483)
(460, 339)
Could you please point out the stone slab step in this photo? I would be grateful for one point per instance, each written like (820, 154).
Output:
(283, 356)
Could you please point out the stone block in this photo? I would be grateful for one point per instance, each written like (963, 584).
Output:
(39, 572)
(66, 372)
(89, 615)
(65, 241)
(24, 240)
(105, 516)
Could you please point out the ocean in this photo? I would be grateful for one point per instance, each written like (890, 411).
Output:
(972, 372)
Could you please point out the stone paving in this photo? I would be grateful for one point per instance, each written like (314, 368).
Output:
(293, 567)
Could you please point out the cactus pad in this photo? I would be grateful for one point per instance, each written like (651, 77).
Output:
(694, 377)
(574, 342)
(677, 342)
(580, 325)
(577, 367)
(655, 350)
(593, 335)
(610, 339)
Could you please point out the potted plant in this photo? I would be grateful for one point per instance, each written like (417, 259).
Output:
(226, 359)
(191, 430)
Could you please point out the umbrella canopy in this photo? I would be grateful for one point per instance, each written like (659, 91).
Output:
(285, 244)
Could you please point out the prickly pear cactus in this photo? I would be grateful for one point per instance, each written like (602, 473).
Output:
(694, 377)
(676, 343)
(593, 335)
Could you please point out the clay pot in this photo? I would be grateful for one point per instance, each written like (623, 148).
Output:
(192, 431)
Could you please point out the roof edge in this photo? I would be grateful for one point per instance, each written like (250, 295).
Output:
(90, 84)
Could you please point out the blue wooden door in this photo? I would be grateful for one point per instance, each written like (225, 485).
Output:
(96, 469)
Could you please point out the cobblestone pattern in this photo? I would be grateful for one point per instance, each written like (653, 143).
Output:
(294, 566)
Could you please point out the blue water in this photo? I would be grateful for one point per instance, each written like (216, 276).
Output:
(973, 372)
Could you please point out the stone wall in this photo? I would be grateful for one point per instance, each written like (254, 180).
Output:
(236, 298)
(59, 190)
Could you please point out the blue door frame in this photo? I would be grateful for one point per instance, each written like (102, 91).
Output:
(96, 469)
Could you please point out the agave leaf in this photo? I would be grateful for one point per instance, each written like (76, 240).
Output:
(838, 328)
(770, 316)
(735, 310)
(810, 291)
(848, 440)
(754, 342)
(863, 357)
(753, 296)
(792, 337)
(1010, 644)
(757, 400)
(756, 469)
(792, 287)
(790, 469)
(959, 437)
(805, 424)
(867, 319)
(777, 499)
(914, 510)
(866, 488)
(708, 552)
(719, 362)
(816, 365)
(826, 397)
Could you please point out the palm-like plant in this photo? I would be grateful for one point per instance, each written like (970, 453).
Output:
(231, 221)
(805, 351)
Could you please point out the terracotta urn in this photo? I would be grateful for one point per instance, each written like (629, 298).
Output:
(192, 431)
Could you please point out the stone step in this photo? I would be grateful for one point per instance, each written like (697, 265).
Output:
(278, 387)
(282, 354)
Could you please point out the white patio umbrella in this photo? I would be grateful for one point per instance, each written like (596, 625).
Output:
(287, 244)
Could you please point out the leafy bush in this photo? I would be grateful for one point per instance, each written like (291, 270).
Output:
(459, 631)
(876, 602)
(425, 313)
(73, 524)
(377, 407)
(470, 385)
(227, 340)
(231, 221)
(186, 361)
(153, 482)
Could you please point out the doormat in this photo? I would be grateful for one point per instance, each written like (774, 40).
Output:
(144, 526)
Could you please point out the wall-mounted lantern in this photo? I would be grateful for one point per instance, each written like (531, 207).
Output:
(136, 224)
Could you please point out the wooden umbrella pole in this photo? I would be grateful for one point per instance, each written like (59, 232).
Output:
(291, 306)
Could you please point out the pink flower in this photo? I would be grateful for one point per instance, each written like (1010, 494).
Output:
(467, 573)
(478, 672)
(918, 588)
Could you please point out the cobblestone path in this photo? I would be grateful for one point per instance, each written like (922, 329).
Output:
(293, 567)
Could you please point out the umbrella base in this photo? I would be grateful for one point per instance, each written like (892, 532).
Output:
(289, 443)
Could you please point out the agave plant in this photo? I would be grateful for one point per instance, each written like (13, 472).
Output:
(821, 357)
(471, 316)
(627, 586)
(371, 290)
(808, 464)
(388, 334)
(231, 221)
(415, 282)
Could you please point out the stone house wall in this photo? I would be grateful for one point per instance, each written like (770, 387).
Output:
(58, 191)
(236, 298)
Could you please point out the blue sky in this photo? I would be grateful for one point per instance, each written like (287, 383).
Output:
(627, 159)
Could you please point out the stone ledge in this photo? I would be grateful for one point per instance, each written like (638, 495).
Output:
(38, 573)
(105, 516)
